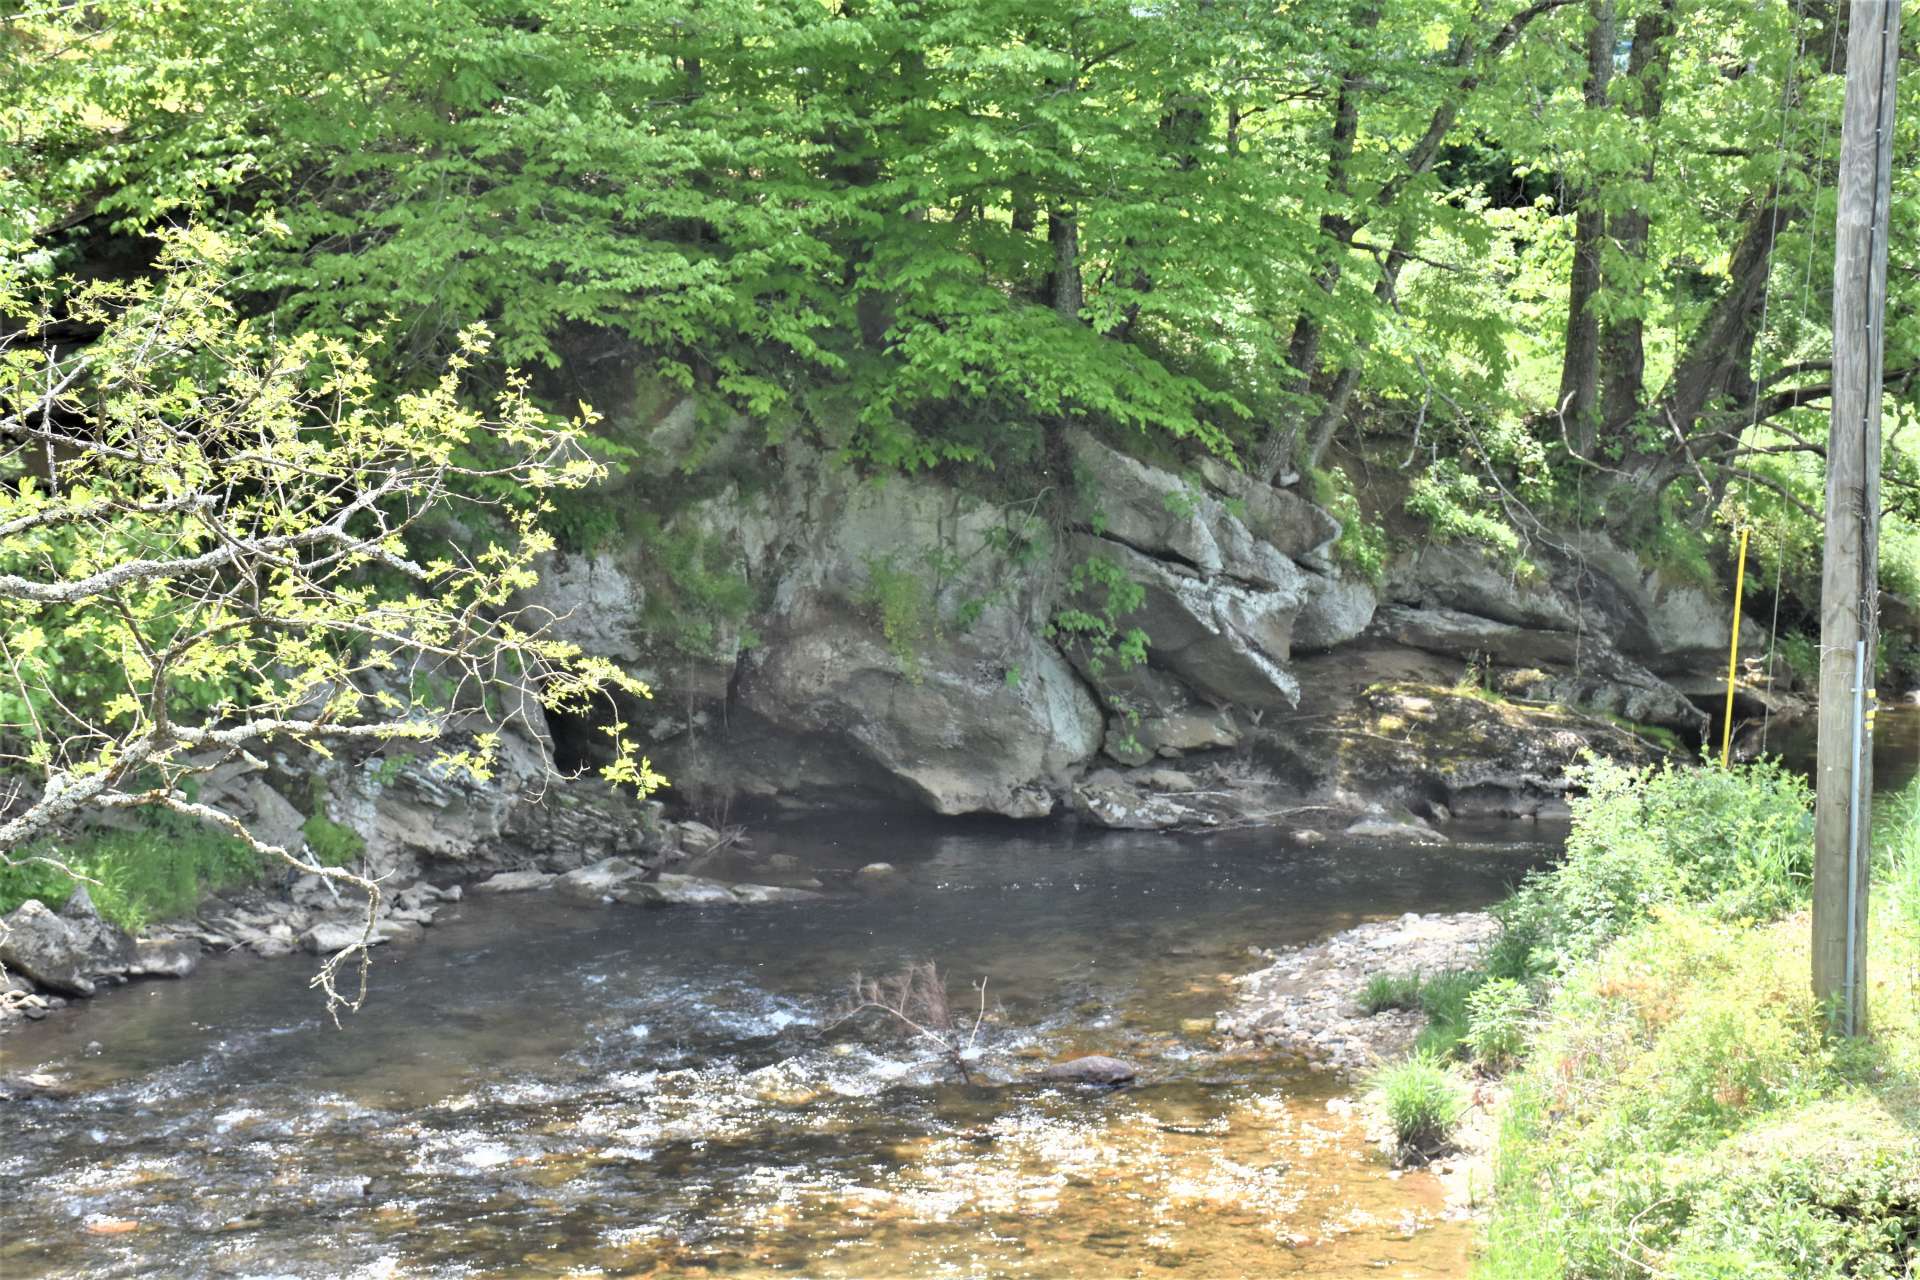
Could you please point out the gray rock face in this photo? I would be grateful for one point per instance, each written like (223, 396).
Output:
(1281, 518)
(1336, 610)
(1162, 515)
(36, 942)
(1095, 1068)
(1225, 642)
(964, 709)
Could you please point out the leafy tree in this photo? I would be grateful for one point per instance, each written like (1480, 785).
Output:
(210, 547)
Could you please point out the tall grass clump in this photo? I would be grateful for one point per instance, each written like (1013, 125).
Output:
(1739, 842)
(1386, 991)
(1422, 1103)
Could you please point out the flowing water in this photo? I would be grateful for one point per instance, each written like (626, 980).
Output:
(542, 1089)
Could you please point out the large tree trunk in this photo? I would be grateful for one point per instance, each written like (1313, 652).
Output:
(1063, 233)
(1623, 355)
(1580, 363)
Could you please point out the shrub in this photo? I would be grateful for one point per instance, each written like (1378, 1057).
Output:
(1391, 991)
(1497, 1021)
(1422, 1104)
(1739, 841)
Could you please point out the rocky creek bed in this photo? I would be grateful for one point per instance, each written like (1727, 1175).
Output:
(548, 1084)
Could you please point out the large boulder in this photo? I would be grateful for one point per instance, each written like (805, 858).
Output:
(900, 659)
(1167, 516)
(1337, 609)
(106, 949)
(1227, 642)
(40, 944)
(1467, 580)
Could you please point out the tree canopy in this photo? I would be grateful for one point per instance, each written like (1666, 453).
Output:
(1549, 249)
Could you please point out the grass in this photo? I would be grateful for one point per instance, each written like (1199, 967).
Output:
(1386, 991)
(160, 869)
(1422, 1102)
(1681, 1111)
(1444, 999)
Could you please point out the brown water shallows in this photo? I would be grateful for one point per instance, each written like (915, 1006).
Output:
(544, 1089)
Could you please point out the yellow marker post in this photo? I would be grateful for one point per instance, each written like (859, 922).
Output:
(1733, 651)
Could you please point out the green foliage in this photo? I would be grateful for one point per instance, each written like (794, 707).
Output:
(1362, 546)
(1445, 998)
(1497, 1012)
(156, 870)
(329, 843)
(903, 606)
(1737, 840)
(1421, 1101)
(1682, 1113)
(1456, 506)
(697, 593)
(1390, 991)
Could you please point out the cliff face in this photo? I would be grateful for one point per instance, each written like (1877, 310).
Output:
(903, 649)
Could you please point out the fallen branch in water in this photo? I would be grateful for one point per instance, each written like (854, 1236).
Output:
(916, 999)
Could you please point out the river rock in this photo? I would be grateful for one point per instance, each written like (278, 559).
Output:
(601, 880)
(1095, 1068)
(514, 882)
(164, 958)
(40, 944)
(330, 936)
(758, 894)
(697, 837)
(671, 890)
(107, 948)
(1394, 823)
(878, 877)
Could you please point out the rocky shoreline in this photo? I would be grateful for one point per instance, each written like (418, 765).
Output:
(1307, 1001)
(53, 957)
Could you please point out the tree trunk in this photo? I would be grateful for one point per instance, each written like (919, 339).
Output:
(1580, 365)
(1063, 233)
(1623, 355)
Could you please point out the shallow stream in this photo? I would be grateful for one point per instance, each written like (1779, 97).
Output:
(545, 1089)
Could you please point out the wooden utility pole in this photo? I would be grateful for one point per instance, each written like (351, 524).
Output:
(1850, 572)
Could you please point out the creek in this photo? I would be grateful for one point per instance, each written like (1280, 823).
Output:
(548, 1089)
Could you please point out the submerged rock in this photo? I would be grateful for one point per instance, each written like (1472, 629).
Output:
(1095, 1068)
